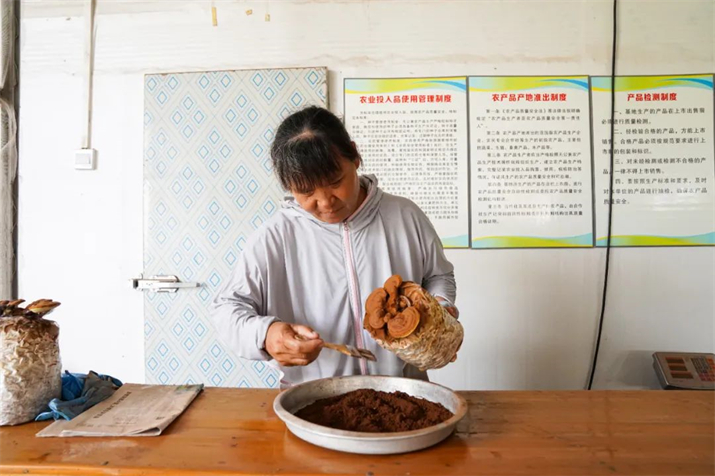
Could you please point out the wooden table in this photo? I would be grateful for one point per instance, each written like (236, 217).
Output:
(234, 431)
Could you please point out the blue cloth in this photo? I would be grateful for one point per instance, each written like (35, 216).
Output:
(79, 393)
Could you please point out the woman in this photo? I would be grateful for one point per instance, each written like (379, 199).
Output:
(305, 275)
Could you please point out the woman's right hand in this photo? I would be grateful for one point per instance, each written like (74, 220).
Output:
(292, 344)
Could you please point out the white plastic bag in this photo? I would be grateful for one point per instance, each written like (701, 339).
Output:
(30, 368)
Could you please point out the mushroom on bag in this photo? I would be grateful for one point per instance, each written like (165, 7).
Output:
(406, 319)
(11, 308)
(42, 306)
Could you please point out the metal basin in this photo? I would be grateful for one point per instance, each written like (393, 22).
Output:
(290, 401)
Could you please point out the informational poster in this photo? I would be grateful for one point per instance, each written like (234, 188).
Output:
(412, 134)
(530, 153)
(664, 165)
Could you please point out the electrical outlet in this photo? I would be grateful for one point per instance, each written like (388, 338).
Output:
(85, 159)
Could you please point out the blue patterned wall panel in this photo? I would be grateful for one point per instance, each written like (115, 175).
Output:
(208, 185)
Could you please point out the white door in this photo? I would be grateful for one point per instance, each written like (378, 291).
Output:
(208, 184)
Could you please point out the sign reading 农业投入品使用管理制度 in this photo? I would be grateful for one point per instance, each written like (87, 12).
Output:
(412, 133)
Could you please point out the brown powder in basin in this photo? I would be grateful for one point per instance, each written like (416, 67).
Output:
(374, 412)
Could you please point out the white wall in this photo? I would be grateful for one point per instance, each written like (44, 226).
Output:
(530, 315)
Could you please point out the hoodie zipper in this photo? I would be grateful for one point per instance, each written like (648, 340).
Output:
(354, 292)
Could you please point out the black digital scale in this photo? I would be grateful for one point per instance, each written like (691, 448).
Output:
(685, 371)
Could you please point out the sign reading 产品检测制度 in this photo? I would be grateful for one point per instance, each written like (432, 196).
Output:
(664, 160)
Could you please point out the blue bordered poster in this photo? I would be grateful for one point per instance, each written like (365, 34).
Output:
(664, 173)
(412, 134)
(530, 155)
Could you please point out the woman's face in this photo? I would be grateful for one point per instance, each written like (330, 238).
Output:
(337, 200)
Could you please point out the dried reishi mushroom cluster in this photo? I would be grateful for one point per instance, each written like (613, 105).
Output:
(35, 309)
(395, 310)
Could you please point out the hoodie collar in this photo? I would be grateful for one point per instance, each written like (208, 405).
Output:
(360, 218)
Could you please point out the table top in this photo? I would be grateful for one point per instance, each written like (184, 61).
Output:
(235, 431)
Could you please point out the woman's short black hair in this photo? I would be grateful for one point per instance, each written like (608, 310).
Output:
(308, 147)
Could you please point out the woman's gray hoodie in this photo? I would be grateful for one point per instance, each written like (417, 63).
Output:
(300, 270)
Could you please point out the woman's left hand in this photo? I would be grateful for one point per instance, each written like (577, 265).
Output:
(448, 306)
(453, 311)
